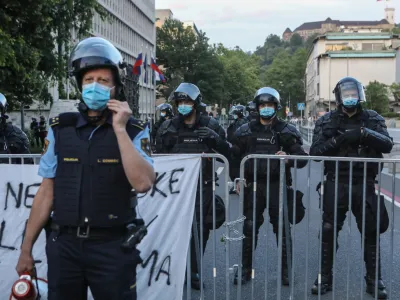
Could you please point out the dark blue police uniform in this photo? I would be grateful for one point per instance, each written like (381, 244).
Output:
(91, 209)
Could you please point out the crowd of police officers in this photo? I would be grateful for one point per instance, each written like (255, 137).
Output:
(183, 127)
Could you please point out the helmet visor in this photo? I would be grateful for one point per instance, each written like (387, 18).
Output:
(186, 89)
(352, 91)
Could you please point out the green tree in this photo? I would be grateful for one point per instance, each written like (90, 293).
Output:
(377, 95)
(286, 74)
(395, 89)
(241, 73)
(187, 57)
(296, 41)
(309, 43)
(30, 32)
(273, 45)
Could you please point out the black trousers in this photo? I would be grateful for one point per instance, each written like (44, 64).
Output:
(74, 264)
(371, 209)
(207, 227)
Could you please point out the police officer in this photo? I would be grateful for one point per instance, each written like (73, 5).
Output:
(35, 132)
(12, 139)
(252, 111)
(351, 131)
(237, 112)
(192, 132)
(93, 160)
(266, 135)
(166, 113)
(42, 130)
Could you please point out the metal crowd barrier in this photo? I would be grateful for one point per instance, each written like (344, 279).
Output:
(223, 253)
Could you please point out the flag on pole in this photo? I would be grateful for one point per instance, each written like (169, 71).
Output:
(159, 74)
(137, 67)
(145, 68)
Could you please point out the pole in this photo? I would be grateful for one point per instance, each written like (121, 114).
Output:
(22, 117)
(329, 85)
(347, 64)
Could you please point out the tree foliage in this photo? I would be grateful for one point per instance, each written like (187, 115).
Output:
(222, 75)
(377, 95)
(29, 33)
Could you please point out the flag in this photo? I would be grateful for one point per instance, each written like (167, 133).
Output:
(145, 68)
(138, 64)
(159, 74)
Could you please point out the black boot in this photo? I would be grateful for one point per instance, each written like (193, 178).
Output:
(326, 270)
(247, 259)
(371, 262)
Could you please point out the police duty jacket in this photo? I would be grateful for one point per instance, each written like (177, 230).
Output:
(174, 136)
(256, 138)
(373, 141)
(13, 141)
(235, 126)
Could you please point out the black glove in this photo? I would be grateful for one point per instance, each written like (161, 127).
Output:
(206, 133)
(349, 137)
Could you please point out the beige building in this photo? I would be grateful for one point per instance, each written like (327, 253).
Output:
(321, 27)
(367, 57)
(164, 14)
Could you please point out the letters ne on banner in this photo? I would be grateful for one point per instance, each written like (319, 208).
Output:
(163, 250)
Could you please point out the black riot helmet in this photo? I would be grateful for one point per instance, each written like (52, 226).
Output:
(349, 92)
(267, 95)
(237, 110)
(188, 91)
(3, 105)
(95, 53)
(167, 109)
(251, 107)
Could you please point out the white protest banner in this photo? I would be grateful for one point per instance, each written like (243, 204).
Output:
(163, 250)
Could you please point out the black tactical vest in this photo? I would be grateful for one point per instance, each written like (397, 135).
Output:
(90, 182)
(340, 125)
(263, 142)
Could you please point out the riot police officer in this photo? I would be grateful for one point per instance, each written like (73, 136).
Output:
(42, 130)
(252, 111)
(193, 132)
(237, 112)
(93, 160)
(351, 131)
(12, 139)
(265, 135)
(166, 113)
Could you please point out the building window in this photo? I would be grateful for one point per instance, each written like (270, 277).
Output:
(335, 47)
(372, 46)
(317, 89)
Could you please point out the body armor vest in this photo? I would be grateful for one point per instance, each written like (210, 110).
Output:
(342, 125)
(263, 142)
(90, 183)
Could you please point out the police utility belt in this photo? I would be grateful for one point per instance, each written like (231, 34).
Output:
(86, 231)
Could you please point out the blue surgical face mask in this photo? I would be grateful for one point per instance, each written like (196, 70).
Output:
(185, 109)
(163, 114)
(96, 95)
(235, 117)
(350, 102)
(267, 112)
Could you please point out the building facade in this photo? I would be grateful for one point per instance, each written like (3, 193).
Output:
(367, 57)
(321, 27)
(131, 28)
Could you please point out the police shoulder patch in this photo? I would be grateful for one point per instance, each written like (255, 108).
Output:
(46, 146)
(54, 121)
(145, 146)
(137, 123)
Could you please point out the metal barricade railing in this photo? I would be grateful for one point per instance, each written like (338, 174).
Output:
(305, 262)
(359, 191)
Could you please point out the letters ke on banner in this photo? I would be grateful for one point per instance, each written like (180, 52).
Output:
(163, 250)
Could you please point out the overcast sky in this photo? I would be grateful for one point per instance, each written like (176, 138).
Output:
(247, 23)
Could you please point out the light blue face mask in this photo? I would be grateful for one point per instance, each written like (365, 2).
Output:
(185, 109)
(267, 112)
(163, 114)
(235, 117)
(96, 95)
(350, 102)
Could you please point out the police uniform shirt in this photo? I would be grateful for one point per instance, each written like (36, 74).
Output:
(48, 161)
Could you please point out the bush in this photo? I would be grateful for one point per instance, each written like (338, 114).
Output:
(390, 115)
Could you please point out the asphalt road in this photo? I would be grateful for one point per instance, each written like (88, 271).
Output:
(395, 134)
(349, 262)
